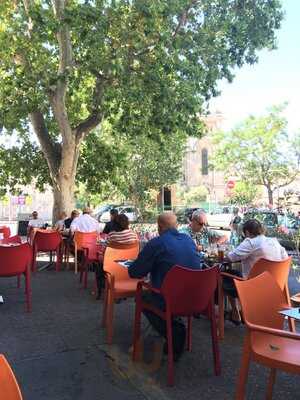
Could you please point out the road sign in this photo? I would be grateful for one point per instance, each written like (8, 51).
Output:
(230, 184)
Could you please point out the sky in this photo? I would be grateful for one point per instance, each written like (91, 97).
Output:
(273, 80)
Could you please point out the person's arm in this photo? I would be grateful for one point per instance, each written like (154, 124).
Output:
(144, 263)
(73, 226)
(106, 228)
(241, 252)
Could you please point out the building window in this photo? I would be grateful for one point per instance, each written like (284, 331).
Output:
(204, 161)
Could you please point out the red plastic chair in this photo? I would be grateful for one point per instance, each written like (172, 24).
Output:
(47, 241)
(9, 388)
(11, 239)
(186, 292)
(16, 261)
(5, 230)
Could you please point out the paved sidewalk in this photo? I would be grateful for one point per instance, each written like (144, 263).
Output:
(58, 352)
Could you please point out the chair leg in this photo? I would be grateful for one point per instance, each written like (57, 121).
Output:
(189, 333)
(85, 274)
(271, 382)
(214, 338)
(33, 265)
(137, 332)
(105, 300)
(110, 317)
(19, 281)
(292, 326)
(58, 260)
(28, 291)
(221, 309)
(243, 374)
(170, 351)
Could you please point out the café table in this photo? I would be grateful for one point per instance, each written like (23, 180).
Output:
(293, 312)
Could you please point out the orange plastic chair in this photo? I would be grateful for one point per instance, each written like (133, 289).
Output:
(118, 284)
(266, 342)
(280, 272)
(81, 241)
(9, 388)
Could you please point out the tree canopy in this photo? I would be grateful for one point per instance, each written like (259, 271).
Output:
(147, 67)
(259, 152)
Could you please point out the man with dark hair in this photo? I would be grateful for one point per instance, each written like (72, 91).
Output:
(157, 258)
(112, 225)
(68, 221)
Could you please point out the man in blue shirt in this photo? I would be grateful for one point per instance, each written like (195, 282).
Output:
(157, 258)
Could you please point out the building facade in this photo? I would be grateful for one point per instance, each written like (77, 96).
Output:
(196, 163)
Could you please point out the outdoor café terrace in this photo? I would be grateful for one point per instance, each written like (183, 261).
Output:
(60, 350)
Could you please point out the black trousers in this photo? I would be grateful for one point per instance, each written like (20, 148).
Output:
(228, 284)
(178, 327)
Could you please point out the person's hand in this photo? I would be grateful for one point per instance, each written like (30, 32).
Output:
(199, 247)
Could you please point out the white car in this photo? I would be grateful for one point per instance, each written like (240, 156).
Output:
(219, 220)
(130, 211)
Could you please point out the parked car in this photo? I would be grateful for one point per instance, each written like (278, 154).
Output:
(220, 219)
(130, 211)
(103, 209)
(281, 226)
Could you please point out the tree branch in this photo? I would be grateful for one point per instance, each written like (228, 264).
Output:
(49, 148)
(96, 115)
(183, 18)
(58, 94)
(63, 37)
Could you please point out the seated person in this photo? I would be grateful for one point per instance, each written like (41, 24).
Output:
(68, 221)
(60, 223)
(200, 233)
(35, 222)
(122, 233)
(112, 225)
(85, 222)
(157, 258)
(254, 247)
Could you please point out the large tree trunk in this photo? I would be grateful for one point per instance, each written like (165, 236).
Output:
(270, 195)
(64, 179)
(63, 196)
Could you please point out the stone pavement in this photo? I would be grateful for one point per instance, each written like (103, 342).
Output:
(58, 352)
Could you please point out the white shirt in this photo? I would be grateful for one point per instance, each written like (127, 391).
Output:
(252, 249)
(60, 224)
(36, 223)
(85, 223)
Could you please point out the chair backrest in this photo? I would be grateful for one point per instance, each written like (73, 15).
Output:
(85, 239)
(5, 230)
(46, 240)
(261, 298)
(189, 291)
(9, 388)
(119, 252)
(278, 269)
(12, 239)
(14, 259)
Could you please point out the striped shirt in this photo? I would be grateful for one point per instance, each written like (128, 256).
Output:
(124, 237)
